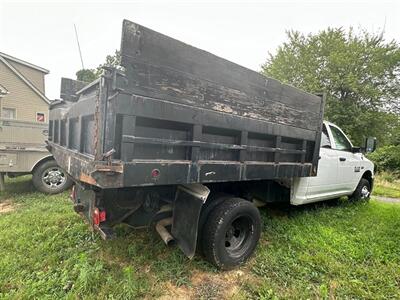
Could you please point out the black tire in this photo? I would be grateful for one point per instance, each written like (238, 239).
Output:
(49, 178)
(362, 192)
(212, 201)
(231, 233)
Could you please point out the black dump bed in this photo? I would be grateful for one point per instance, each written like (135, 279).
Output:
(177, 114)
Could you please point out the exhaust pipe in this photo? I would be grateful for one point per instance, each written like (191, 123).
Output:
(163, 232)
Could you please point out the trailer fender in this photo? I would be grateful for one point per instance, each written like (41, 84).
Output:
(188, 202)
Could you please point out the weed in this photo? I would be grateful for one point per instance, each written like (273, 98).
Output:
(386, 184)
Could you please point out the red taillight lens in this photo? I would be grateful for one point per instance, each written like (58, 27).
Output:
(155, 173)
(102, 216)
(98, 216)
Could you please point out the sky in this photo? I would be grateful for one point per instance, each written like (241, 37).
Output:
(42, 32)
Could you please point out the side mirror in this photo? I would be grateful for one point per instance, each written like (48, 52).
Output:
(356, 149)
(370, 144)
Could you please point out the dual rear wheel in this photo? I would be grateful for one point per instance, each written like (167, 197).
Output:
(230, 228)
(230, 233)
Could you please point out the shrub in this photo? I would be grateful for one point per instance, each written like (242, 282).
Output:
(387, 158)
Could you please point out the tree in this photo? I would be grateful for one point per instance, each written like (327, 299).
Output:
(88, 75)
(360, 74)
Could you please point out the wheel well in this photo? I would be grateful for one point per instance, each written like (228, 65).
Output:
(41, 161)
(368, 175)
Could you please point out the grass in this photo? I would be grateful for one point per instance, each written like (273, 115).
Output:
(387, 185)
(331, 250)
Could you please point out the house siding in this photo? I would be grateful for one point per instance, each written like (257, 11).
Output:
(21, 96)
(36, 77)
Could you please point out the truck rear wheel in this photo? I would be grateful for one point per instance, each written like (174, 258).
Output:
(231, 233)
(49, 178)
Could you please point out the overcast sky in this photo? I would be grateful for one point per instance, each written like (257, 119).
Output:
(241, 31)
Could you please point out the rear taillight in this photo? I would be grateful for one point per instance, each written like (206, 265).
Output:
(102, 216)
(98, 216)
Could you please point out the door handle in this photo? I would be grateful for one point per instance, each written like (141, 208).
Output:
(342, 158)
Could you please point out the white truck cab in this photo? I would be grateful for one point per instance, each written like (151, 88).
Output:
(342, 171)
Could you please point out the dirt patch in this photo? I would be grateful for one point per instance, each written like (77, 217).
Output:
(210, 286)
(386, 199)
(6, 206)
(177, 292)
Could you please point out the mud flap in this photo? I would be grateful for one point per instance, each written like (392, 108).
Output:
(85, 202)
(186, 213)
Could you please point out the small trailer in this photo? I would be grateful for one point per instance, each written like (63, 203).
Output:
(187, 142)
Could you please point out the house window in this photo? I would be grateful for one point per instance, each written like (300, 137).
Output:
(8, 113)
(40, 117)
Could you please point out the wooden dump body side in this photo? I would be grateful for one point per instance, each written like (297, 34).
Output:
(178, 114)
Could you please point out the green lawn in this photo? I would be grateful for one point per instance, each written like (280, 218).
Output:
(384, 187)
(332, 250)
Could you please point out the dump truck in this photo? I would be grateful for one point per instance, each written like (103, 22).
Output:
(191, 144)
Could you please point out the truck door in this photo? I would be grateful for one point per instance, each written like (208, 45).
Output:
(349, 168)
(325, 183)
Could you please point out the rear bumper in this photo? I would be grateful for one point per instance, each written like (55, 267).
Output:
(103, 209)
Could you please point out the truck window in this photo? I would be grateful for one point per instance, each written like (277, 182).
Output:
(325, 142)
(342, 143)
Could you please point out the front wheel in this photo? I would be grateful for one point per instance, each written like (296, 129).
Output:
(49, 178)
(231, 233)
(363, 191)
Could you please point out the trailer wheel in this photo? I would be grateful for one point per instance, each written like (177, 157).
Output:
(363, 191)
(231, 233)
(49, 178)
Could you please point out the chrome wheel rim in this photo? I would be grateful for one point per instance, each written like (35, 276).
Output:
(365, 192)
(53, 177)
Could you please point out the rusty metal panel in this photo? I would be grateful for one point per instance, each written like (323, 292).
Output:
(178, 114)
(162, 67)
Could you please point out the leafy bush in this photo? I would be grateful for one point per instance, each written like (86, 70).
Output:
(387, 158)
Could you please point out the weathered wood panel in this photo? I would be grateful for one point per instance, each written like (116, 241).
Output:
(191, 115)
(161, 67)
